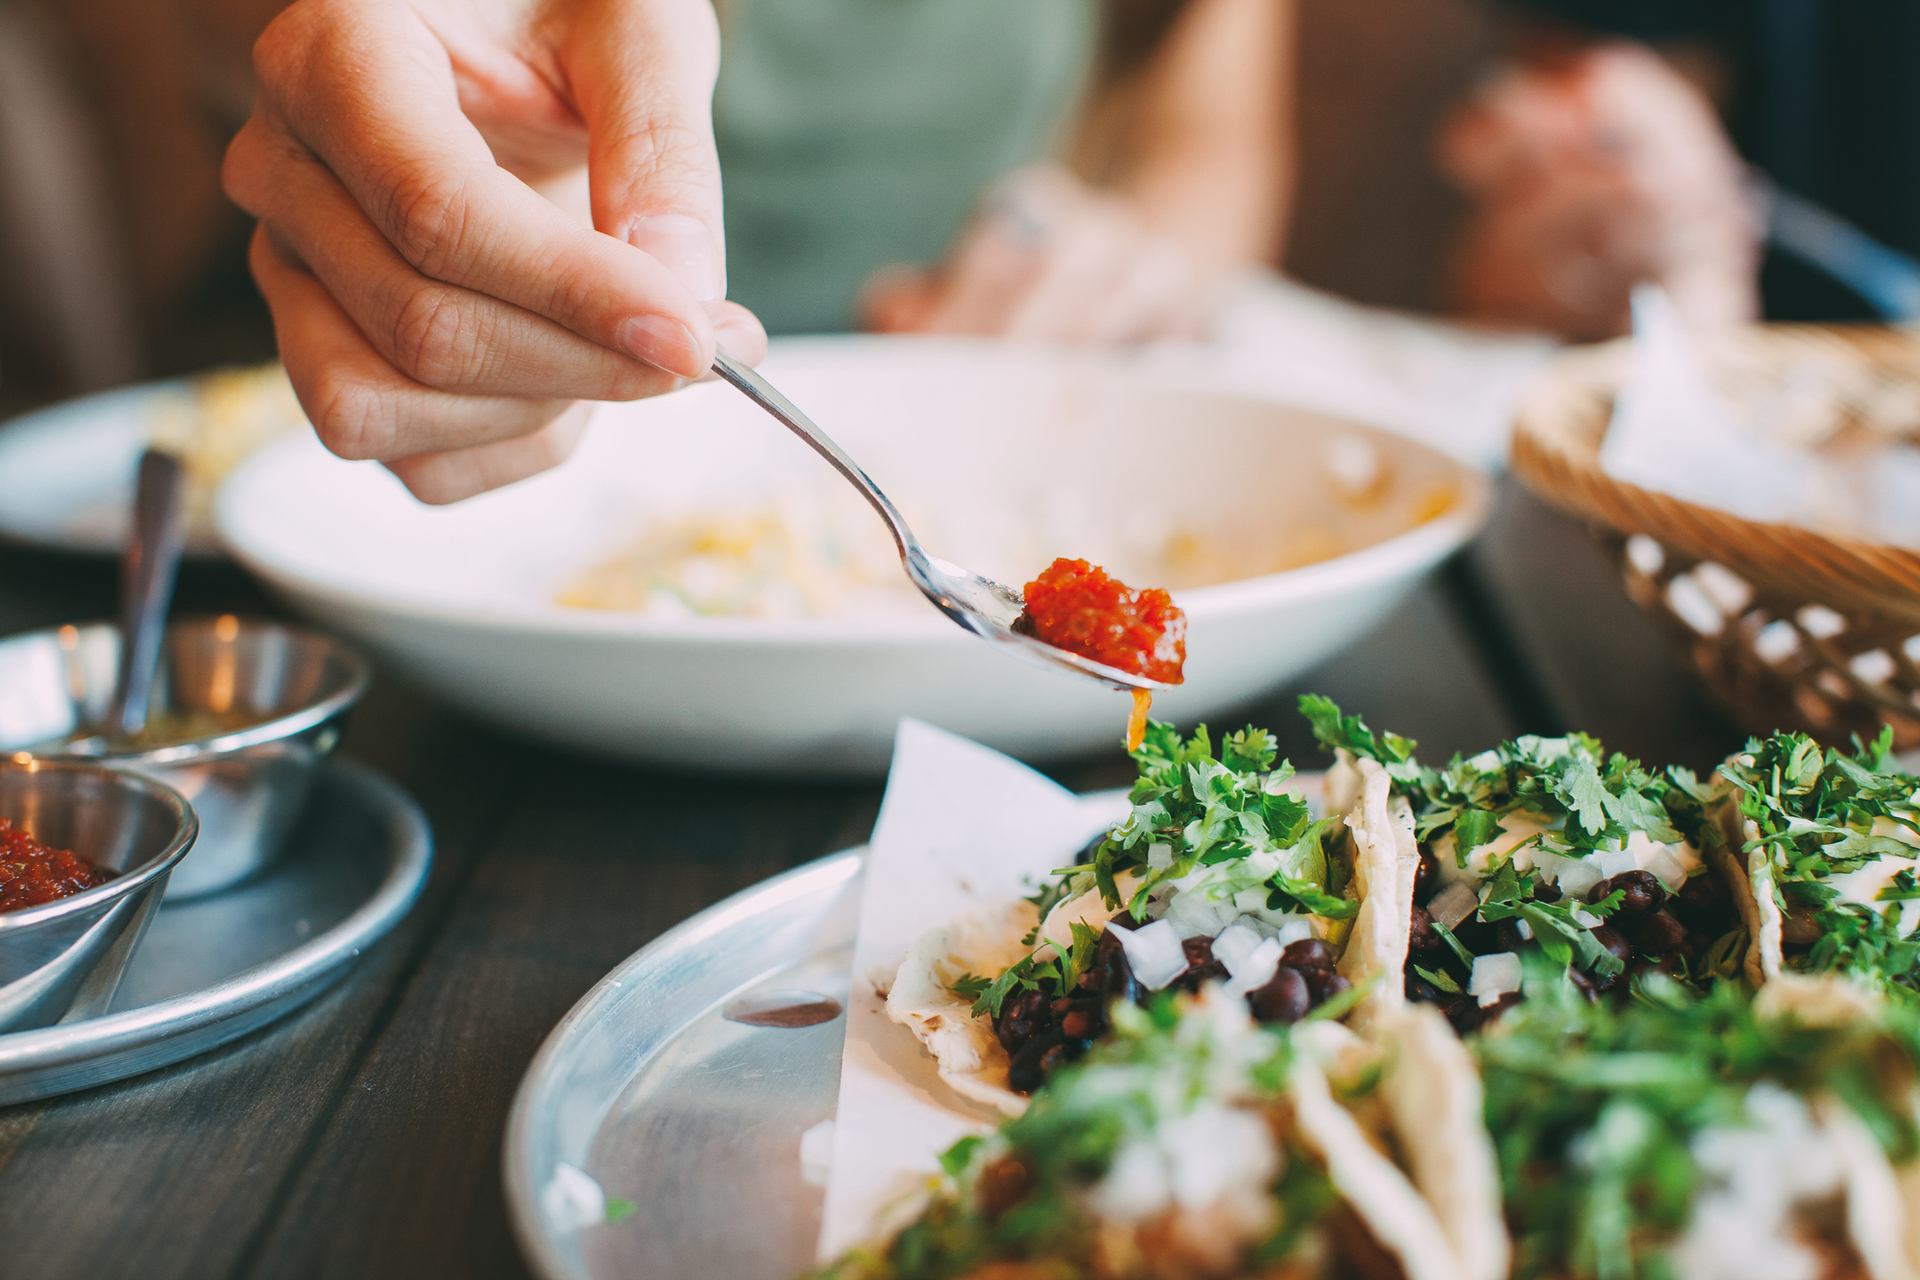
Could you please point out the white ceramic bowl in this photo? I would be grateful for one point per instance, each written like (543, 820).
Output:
(462, 597)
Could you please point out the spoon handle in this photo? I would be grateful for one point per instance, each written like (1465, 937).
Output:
(764, 394)
(146, 585)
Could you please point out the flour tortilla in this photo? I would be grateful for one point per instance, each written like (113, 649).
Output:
(1385, 861)
(1433, 1098)
(965, 1050)
(1394, 1213)
(1883, 1202)
(1748, 871)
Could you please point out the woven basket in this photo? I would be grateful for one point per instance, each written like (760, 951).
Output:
(1789, 627)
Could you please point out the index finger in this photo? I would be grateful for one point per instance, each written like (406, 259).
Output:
(373, 96)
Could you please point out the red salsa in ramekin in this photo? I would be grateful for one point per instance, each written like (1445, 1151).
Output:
(33, 874)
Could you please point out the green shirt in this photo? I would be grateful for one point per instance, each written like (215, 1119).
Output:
(857, 133)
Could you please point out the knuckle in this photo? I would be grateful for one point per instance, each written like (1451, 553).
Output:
(433, 337)
(426, 219)
(279, 52)
(670, 158)
(575, 298)
(237, 168)
(353, 420)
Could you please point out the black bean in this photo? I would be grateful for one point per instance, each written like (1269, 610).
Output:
(1202, 968)
(1057, 1056)
(1028, 1069)
(1022, 1016)
(1325, 984)
(1640, 891)
(1284, 999)
(1001, 1185)
(1468, 1014)
(1617, 946)
(1115, 976)
(1547, 891)
(1507, 936)
(1418, 989)
(1614, 941)
(1657, 933)
(1704, 906)
(1421, 938)
(1308, 953)
(1077, 1025)
(1424, 874)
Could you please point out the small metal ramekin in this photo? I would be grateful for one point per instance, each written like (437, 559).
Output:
(64, 959)
(288, 690)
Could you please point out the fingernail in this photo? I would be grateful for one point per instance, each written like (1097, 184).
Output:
(662, 342)
(684, 246)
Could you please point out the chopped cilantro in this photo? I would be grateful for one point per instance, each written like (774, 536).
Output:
(1594, 1107)
(1815, 812)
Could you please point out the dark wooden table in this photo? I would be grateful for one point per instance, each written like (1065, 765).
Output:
(361, 1137)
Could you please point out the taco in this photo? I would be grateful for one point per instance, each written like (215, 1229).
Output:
(1220, 872)
(1828, 844)
(1540, 845)
(1705, 1137)
(1194, 1143)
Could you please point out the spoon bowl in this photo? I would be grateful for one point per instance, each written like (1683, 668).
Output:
(974, 601)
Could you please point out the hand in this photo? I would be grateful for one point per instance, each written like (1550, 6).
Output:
(1048, 259)
(1587, 177)
(476, 213)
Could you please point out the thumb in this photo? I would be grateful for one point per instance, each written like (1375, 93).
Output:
(643, 74)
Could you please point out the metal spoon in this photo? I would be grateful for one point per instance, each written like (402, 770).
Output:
(981, 605)
(147, 574)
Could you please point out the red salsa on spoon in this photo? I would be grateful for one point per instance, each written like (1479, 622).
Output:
(1077, 606)
(32, 873)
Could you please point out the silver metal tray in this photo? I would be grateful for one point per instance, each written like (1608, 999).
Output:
(215, 968)
(655, 1087)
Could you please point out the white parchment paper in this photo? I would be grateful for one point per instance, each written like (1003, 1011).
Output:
(1776, 454)
(961, 827)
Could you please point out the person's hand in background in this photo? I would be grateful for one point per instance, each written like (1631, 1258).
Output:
(1048, 258)
(1589, 174)
(475, 214)
(1191, 156)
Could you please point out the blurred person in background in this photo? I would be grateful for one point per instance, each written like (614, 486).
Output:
(1080, 170)
(1612, 145)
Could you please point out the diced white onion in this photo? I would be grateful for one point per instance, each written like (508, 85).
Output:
(1524, 929)
(1159, 857)
(1195, 915)
(1585, 918)
(1236, 942)
(1494, 976)
(1257, 969)
(1251, 900)
(1153, 951)
(1667, 867)
(1574, 876)
(1579, 879)
(1293, 929)
(1612, 862)
(1453, 904)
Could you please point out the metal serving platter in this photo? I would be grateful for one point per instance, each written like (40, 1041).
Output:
(668, 1085)
(215, 968)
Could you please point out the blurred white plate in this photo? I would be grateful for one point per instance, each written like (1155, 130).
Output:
(69, 468)
(462, 597)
